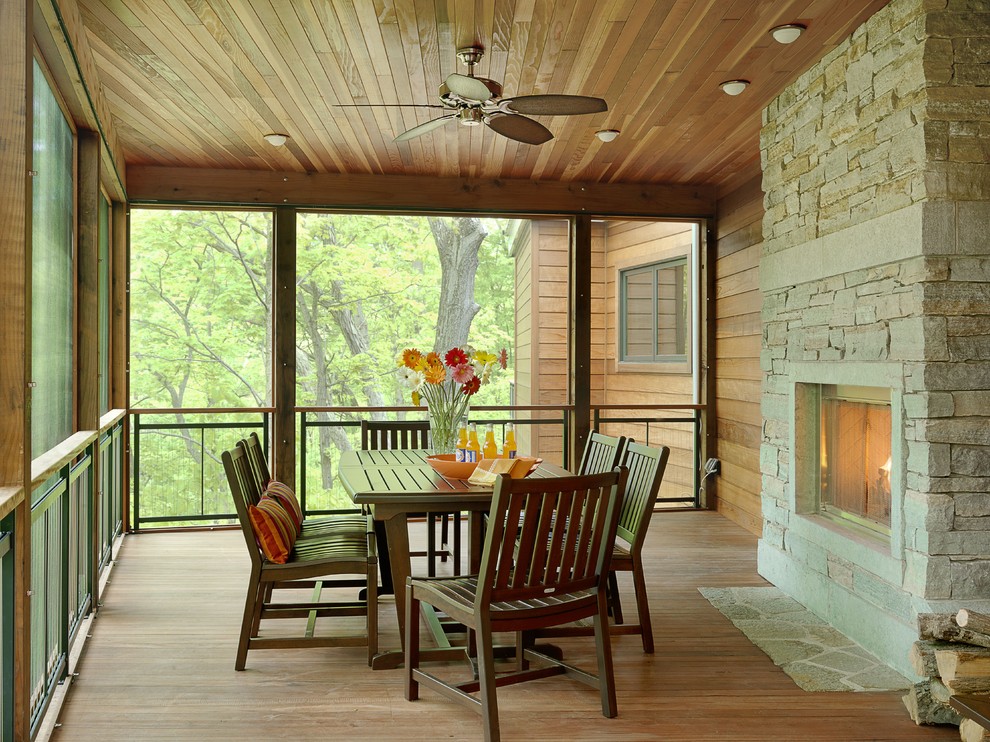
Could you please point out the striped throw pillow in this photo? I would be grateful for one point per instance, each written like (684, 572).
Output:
(284, 494)
(273, 528)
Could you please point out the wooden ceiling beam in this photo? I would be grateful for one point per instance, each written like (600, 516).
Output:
(412, 193)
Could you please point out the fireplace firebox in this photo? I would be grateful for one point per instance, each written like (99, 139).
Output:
(854, 455)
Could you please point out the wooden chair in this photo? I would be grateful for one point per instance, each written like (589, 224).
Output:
(344, 546)
(544, 563)
(601, 453)
(377, 435)
(646, 466)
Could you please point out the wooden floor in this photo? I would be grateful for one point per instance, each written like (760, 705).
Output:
(159, 665)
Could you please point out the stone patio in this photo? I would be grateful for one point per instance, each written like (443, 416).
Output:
(815, 655)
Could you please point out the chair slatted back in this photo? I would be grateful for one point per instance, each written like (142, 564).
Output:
(257, 461)
(601, 453)
(646, 466)
(549, 536)
(244, 490)
(379, 435)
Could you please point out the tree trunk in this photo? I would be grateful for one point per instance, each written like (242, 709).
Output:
(354, 327)
(458, 241)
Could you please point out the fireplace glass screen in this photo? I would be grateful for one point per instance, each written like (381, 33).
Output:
(855, 454)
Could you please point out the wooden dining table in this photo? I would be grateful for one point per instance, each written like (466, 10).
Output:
(395, 484)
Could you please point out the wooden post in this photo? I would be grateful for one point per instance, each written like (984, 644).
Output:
(284, 358)
(119, 342)
(579, 338)
(118, 306)
(707, 358)
(88, 274)
(88, 369)
(16, 162)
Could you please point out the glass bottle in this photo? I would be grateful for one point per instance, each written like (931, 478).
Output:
(460, 453)
(490, 450)
(473, 451)
(509, 442)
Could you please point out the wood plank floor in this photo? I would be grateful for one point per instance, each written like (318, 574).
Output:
(159, 665)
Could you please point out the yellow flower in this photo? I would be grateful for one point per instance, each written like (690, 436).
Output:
(484, 358)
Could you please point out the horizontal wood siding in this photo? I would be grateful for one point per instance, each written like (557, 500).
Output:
(541, 332)
(523, 360)
(737, 353)
(630, 244)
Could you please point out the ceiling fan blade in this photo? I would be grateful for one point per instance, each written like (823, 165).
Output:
(554, 105)
(519, 128)
(418, 131)
(387, 105)
(470, 88)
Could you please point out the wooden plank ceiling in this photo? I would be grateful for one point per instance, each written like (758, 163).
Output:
(197, 83)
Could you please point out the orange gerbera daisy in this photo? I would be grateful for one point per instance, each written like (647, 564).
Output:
(411, 357)
(434, 373)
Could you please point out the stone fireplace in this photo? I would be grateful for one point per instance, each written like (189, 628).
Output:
(875, 274)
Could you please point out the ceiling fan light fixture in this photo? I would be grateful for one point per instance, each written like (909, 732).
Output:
(607, 135)
(276, 140)
(788, 33)
(733, 87)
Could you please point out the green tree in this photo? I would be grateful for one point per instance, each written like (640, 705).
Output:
(367, 286)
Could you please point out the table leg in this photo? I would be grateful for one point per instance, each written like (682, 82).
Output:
(397, 532)
(384, 560)
(476, 540)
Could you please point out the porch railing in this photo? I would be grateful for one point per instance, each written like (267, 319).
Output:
(176, 472)
(67, 549)
(7, 629)
(178, 479)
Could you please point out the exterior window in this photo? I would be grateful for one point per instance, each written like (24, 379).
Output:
(52, 297)
(655, 312)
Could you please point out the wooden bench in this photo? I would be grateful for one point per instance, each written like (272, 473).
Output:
(339, 553)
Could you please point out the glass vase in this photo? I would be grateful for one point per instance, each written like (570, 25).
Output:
(446, 406)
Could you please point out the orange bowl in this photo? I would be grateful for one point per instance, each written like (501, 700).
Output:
(446, 465)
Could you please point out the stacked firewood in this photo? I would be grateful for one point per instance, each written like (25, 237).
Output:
(954, 654)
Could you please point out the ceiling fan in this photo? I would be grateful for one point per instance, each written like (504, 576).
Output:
(474, 101)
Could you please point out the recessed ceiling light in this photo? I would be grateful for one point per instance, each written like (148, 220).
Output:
(788, 33)
(607, 135)
(733, 87)
(276, 140)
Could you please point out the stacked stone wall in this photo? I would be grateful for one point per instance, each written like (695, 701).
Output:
(846, 142)
(877, 257)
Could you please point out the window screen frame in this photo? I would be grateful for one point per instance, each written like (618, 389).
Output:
(680, 362)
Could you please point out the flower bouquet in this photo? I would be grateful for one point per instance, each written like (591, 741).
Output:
(447, 385)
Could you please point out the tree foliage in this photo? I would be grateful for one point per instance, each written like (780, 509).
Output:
(367, 286)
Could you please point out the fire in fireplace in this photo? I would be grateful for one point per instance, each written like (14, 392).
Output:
(855, 454)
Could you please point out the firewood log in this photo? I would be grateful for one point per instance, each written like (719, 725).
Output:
(973, 621)
(922, 657)
(943, 626)
(971, 731)
(958, 663)
(926, 709)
